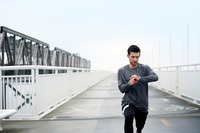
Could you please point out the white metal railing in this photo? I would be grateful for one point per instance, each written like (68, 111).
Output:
(182, 81)
(37, 90)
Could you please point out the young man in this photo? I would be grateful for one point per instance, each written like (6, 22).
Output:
(133, 82)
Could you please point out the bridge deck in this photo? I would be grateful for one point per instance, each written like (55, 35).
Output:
(98, 110)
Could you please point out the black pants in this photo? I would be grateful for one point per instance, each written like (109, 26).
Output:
(130, 112)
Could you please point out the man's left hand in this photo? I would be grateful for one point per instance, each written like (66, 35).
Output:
(136, 78)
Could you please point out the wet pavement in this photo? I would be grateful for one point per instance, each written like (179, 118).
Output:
(98, 110)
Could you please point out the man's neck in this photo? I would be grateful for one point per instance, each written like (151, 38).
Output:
(132, 66)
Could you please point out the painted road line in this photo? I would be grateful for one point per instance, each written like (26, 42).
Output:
(163, 99)
(165, 122)
(151, 108)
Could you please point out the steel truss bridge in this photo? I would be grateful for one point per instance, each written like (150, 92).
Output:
(19, 49)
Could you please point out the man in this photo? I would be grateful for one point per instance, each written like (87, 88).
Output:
(133, 82)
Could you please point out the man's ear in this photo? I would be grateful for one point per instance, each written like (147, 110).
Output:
(128, 55)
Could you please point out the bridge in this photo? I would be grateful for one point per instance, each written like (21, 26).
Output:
(61, 93)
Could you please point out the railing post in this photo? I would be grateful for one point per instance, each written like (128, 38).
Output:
(56, 71)
(158, 82)
(177, 93)
(70, 82)
(35, 72)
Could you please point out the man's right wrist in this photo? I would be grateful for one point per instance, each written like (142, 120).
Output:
(129, 84)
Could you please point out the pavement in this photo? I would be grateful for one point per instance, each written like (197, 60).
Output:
(98, 110)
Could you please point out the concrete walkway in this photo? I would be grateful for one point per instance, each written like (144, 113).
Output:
(98, 110)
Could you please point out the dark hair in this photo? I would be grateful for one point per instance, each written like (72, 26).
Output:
(133, 48)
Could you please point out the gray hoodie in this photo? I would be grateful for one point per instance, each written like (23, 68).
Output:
(137, 94)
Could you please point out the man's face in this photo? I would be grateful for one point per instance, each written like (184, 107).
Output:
(133, 58)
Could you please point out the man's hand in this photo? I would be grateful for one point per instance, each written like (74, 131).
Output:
(134, 79)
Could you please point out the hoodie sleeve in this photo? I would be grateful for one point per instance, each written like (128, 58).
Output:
(151, 76)
(122, 84)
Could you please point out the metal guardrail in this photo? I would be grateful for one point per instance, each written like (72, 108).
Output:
(181, 81)
(19, 49)
(37, 90)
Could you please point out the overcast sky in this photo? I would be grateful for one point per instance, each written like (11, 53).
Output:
(102, 30)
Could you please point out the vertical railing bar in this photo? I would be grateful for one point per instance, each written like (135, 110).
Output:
(33, 73)
(31, 91)
(28, 96)
(15, 95)
(3, 93)
(26, 83)
(20, 99)
(8, 90)
(1, 88)
(35, 93)
(22, 81)
(6, 93)
(24, 89)
(17, 86)
(195, 90)
(29, 88)
(22, 93)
